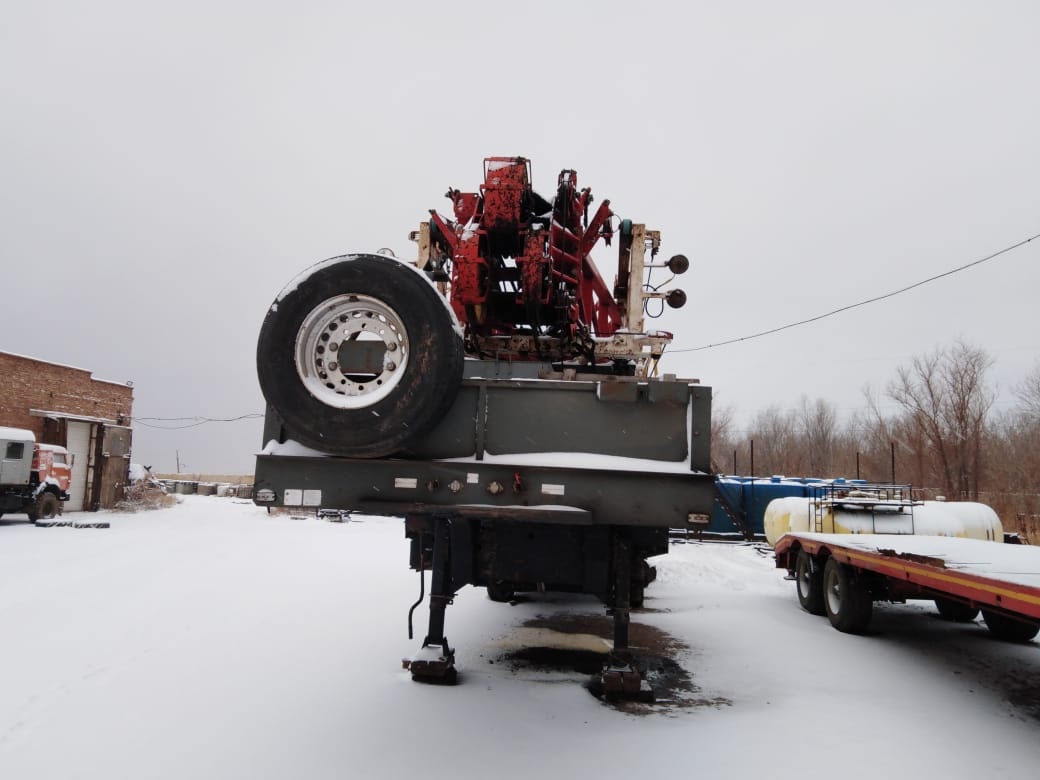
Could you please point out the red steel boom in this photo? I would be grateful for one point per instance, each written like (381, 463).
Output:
(519, 275)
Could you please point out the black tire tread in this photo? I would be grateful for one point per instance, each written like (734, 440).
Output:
(46, 507)
(1010, 629)
(812, 602)
(856, 604)
(432, 377)
(957, 611)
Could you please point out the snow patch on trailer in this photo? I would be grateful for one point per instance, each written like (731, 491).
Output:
(1015, 563)
(291, 447)
(303, 276)
(581, 460)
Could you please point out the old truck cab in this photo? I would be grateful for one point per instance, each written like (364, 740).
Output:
(52, 464)
(34, 478)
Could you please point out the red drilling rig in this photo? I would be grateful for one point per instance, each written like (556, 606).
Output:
(498, 395)
(361, 354)
(522, 280)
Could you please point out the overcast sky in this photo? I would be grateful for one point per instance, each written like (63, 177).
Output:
(165, 168)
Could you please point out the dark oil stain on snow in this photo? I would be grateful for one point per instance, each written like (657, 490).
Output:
(653, 654)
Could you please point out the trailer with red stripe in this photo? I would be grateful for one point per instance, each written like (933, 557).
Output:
(842, 575)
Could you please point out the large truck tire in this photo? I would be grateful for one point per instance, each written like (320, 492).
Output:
(45, 509)
(808, 575)
(399, 339)
(1009, 629)
(957, 611)
(846, 597)
(499, 591)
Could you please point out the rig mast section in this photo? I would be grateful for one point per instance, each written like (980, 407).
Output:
(519, 275)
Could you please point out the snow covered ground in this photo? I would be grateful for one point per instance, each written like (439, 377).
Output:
(212, 640)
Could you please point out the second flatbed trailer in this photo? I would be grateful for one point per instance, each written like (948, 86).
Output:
(842, 575)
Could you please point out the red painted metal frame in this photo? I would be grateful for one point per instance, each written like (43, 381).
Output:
(909, 574)
(515, 270)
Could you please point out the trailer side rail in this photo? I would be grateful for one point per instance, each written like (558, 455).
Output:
(842, 575)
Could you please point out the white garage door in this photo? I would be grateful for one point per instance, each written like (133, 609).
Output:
(78, 445)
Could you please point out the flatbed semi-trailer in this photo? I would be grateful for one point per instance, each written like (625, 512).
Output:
(499, 394)
(492, 496)
(842, 575)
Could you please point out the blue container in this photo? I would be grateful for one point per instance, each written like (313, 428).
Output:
(759, 492)
(748, 497)
(729, 490)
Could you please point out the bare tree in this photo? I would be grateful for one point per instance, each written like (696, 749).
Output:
(775, 436)
(1028, 394)
(945, 400)
(944, 436)
(819, 425)
(722, 441)
(874, 438)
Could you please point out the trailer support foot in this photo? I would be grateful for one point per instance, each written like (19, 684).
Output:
(434, 664)
(435, 661)
(620, 680)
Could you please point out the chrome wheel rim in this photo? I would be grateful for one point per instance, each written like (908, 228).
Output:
(803, 580)
(833, 594)
(346, 320)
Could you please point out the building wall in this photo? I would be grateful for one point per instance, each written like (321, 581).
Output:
(27, 383)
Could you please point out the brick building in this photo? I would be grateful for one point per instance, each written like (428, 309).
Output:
(68, 406)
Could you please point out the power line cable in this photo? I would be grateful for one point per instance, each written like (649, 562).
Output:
(194, 421)
(875, 299)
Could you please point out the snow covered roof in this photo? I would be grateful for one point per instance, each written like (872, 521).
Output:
(17, 434)
(69, 416)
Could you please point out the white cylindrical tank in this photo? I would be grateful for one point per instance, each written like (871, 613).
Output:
(926, 518)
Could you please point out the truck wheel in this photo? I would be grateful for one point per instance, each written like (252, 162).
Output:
(642, 575)
(47, 507)
(359, 356)
(1010, 629)
(846, 597)
(957, 611)
(500, 592)
(808, 575)
(636, 595)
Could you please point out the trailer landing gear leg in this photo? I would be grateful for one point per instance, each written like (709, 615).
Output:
(620, 679)
(435, 661)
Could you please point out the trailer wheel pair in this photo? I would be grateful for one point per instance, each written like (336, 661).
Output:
(835, 590)
(360, 356)
(1001, 626)
(845, 597)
